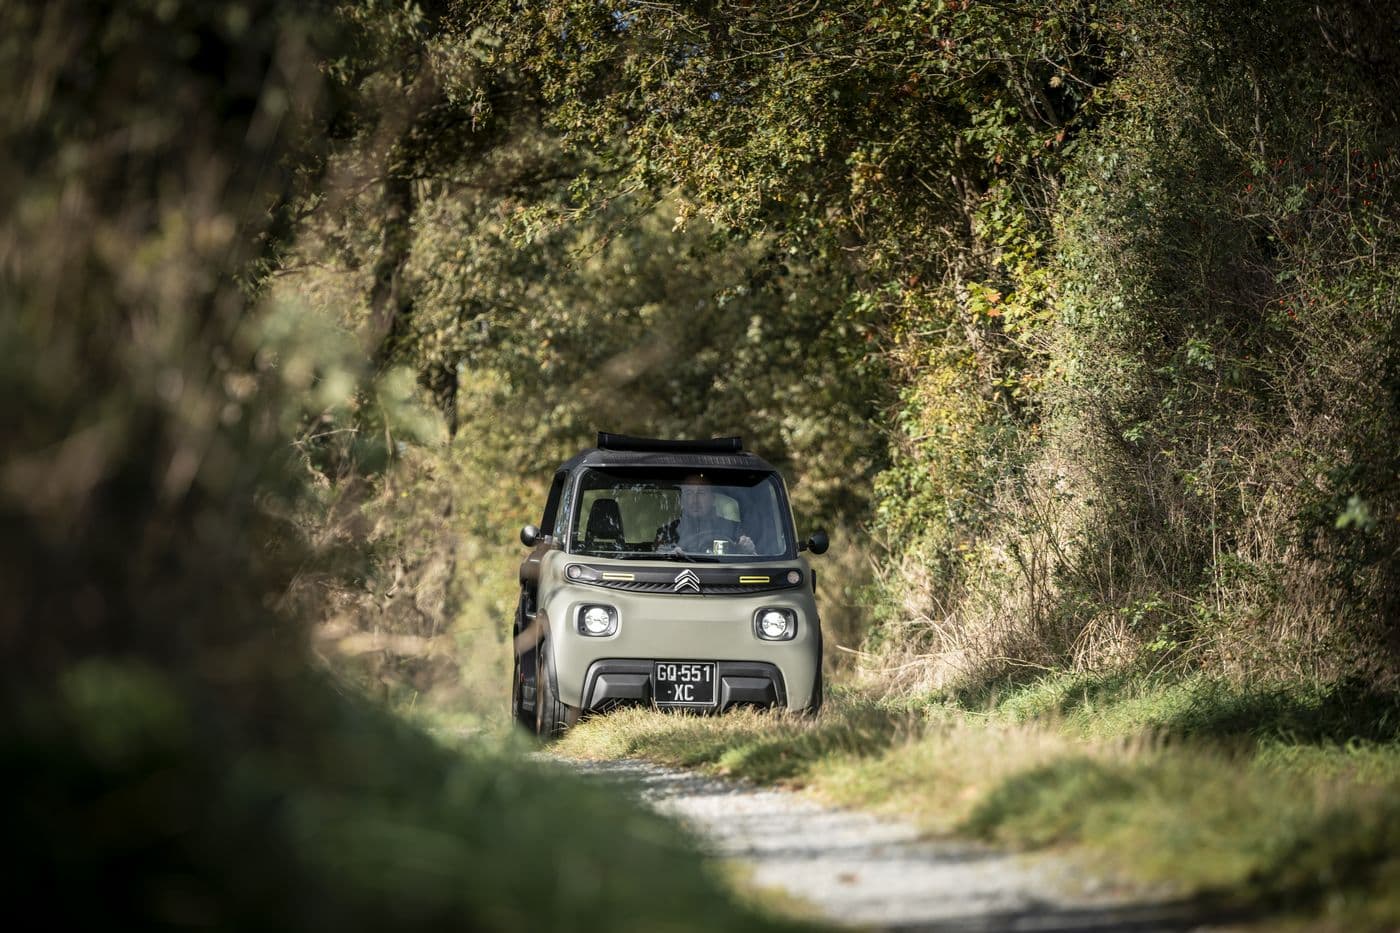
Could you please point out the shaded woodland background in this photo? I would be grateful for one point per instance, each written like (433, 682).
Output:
(1075, 321)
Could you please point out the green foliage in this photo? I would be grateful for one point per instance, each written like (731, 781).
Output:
(1129, 268)
(1052, 804)
(334, 814)
(190, 454)
(1200, 707)
(1207, 242)
(532, 320)
(892, 140)
(146, 469)
(1081, 312)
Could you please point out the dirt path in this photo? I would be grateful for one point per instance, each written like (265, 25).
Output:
(857, 869)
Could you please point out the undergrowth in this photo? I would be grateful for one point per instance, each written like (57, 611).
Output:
(337, 816)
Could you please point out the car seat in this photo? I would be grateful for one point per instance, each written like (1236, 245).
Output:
(604, 524)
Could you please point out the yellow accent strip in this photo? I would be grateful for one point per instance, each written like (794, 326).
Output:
(755, 579)
(609, 575)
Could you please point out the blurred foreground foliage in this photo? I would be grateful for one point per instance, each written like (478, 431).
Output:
(167, 813)
(178, 437)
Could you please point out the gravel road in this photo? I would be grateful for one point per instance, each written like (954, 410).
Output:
(864, 871)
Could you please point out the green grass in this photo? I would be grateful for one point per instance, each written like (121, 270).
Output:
(759, 746)
(1268, 799)
(162, 809)
(1201, 707)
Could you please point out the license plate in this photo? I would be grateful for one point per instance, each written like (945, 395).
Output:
(683, 683)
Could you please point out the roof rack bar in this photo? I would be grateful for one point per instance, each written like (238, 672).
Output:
(715, 445)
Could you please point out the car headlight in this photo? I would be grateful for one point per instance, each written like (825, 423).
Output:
(775, 624)
(597, 620)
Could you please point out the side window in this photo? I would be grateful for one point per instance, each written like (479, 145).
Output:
(551, 505)
(560, 521)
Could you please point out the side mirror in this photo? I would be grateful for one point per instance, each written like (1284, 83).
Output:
(817, 543)
(530, 536)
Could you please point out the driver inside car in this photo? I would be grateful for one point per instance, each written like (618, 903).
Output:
(699, 526)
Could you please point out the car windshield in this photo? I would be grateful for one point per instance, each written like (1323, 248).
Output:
(703, 515)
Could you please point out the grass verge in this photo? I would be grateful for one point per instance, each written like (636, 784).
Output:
(163, 809)
(1287, 802)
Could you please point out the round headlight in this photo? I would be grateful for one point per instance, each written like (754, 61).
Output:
(597, 620)
(772, 624)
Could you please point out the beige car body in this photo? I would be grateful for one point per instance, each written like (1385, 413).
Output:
(680, 627)
(660, 615)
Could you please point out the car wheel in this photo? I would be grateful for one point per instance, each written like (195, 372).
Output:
(521, 712)
(815, 706)
(523, 717)
(552, 718)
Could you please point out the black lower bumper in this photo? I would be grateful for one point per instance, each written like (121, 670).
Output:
(620, 682)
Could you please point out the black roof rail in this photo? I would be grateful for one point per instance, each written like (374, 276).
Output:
(715, 445)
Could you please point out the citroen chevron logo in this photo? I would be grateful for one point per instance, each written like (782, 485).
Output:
(686, 580)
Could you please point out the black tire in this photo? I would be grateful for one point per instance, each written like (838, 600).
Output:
(523, 717)
(521, 672)
(552, 718)
(814, 707)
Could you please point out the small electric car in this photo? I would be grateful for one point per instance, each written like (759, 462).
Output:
(665, 573)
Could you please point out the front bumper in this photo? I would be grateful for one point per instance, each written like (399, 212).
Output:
(614, 682)
(652, 627)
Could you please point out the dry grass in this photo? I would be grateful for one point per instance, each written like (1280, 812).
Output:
(1153, 786)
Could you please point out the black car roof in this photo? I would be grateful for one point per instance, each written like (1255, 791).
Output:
(614, 450)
